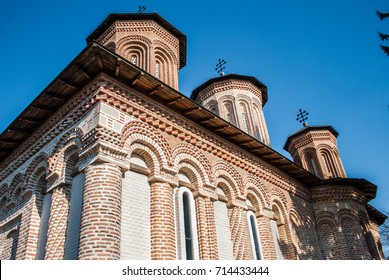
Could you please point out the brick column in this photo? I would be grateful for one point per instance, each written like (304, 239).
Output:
(239, 234)
(100, 220)
(266, 238)
(58, 222)
(206, 228)
(162, 225)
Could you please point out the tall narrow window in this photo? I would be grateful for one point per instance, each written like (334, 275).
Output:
(187, 242)
(230, 116)
(278, 232)
(245, 121)
(157, 66)
(254, 237)
(187, 224)
(312, 165)
(326, 163)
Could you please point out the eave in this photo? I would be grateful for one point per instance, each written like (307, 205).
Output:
(96, 59)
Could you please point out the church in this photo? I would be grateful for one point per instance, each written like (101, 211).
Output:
(111, 162)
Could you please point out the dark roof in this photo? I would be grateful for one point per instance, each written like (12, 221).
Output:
(375, 214)
(254, 80)
(139, 16)
(96, 59)
(307, 129)
(368, 188)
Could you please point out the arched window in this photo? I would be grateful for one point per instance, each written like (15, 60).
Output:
(229, 112)
(312, 165)
(276, 225)
(187, 241)
(245, 121)
(328, 164)
(254, 236)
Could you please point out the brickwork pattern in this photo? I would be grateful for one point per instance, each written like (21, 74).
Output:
(162, 224)
(100, 221)
(56, 234)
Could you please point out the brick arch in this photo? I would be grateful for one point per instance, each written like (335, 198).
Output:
(67, 144)
(161, 45)
(193, 173)
(328, 235)
(370, 242)
(18, 181)
(146, 135)
(227, 97)
(296, 223)
(342, 213)
(35, 170)
(227, 185)
(277, 195)
(352, 229)
(244, 98)
(192, 155)
(256, 199)
(254, 185)
(283, 226)
(225, 170)
(132, 44)
(282, 209)
(3, 189)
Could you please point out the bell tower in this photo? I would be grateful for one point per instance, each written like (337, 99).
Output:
(315, 148)
(146, 40)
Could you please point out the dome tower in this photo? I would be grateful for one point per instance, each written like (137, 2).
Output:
(237, 99)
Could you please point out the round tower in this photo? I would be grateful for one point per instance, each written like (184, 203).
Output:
(237, 99)
(146, 40)
(315, 148)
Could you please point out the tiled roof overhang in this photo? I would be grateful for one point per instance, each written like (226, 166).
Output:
(251, 79)
(94, 60)
(307, 129)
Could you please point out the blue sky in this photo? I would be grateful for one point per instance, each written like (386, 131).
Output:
(321, 56)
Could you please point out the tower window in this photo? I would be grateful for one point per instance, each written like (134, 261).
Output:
(157, 66)
(312, 165)
(134, 60)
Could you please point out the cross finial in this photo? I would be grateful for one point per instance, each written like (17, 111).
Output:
(141, 9)
(302, 116)
(220, 66)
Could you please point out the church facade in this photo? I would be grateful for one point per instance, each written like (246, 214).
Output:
(111, 161)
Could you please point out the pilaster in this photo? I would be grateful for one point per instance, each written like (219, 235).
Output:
(101, 213)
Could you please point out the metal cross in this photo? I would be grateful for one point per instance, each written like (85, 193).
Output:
(141, 9)
(302, 116)
(220, 66)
